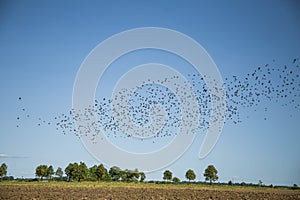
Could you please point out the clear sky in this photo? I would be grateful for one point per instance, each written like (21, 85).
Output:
(43, 43)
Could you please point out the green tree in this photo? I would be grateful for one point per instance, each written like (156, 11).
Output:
(101, 172)
(142, 176)
(82, 171)
(115, 173)
(130, 175)
(295, 186)
(176, 180)
(72, 171)
(190, 175)
(210, 174)
(68, 171)
(50, 172)
(59, 173)
(136, 175)
(92, 173)
(126, 175)
(41, 171)
(3, 170)
(76, 172)
(167, 175)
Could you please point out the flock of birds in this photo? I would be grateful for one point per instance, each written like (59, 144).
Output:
(266, 83)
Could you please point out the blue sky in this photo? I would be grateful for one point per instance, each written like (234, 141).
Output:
(43, 43)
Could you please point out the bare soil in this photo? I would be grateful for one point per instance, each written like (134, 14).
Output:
(44, 192)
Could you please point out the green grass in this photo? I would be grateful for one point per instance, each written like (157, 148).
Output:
(86, 184)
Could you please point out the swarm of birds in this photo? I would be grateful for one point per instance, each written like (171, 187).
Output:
(265, 83)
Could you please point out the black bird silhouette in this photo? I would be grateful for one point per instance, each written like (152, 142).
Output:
(268, 83)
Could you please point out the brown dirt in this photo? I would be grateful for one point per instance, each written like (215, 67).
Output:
(38, 192)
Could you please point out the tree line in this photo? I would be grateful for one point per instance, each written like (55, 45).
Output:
(80, 172)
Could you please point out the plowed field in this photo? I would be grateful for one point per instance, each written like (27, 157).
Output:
(59, 192)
